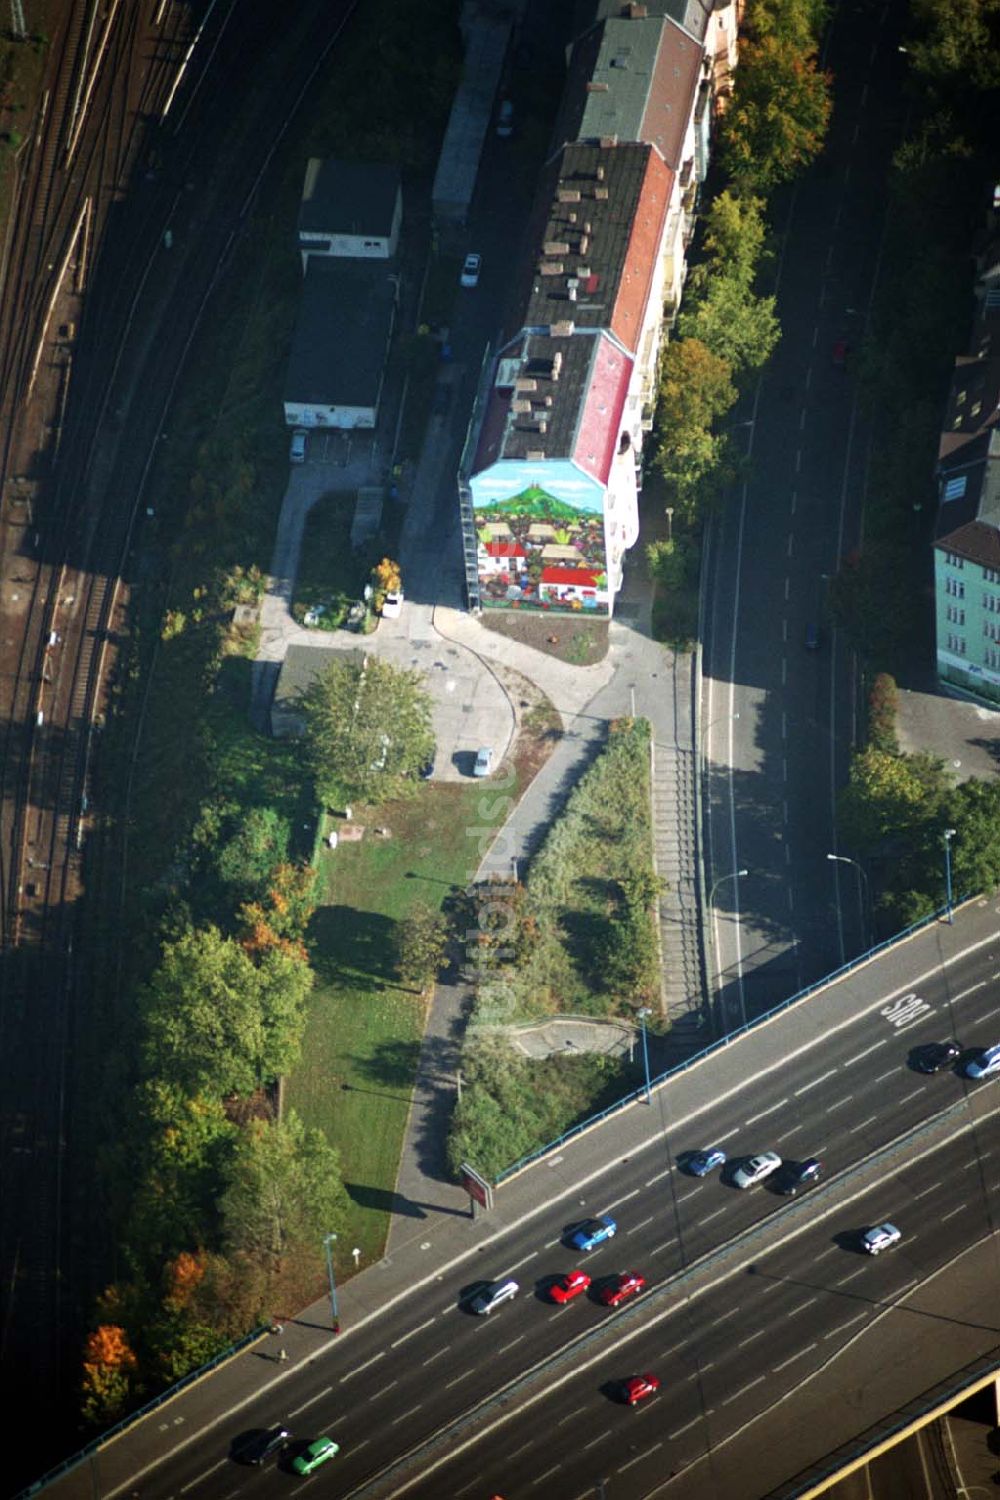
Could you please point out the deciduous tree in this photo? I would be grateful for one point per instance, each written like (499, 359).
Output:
(421, 945)
(368, 730)
(776, 121)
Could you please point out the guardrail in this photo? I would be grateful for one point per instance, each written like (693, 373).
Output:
(682, 1067)
(136, 1416)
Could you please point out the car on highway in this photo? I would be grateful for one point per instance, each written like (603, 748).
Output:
(754, 1169)
(986, 1064)
(841, 349)
(494, 1295)
(627, 1285)
(934, 1056)
(471, 267)
(565, 1288)
(638, 1387)
(263, 1444)
(796, 1175)
(318, 1452)
(700, 1163)
(812, 637)
(880, 1237)
(297, 447)
(484, 761)
(593, 1232)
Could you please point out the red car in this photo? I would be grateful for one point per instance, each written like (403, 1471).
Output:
(638, 1387)
(570, 1286)
(841, 349)
(624, 1286)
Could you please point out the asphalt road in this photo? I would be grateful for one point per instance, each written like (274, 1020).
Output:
(831, 1078)
(774, 770)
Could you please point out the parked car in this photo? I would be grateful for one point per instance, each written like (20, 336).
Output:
(628, 1284)
(985, 1065)
(880, 1237)
(756, 1168)
(565, 1288)
(796, 1175)
(484, 761)
(471, 267)
(494, 1295)
(934, 1056)
(317, 1453)
(263, 1444)
(638, 1387)
(700, 1163)
(392, 605)
(812, 638)
(841, 349)
(593, 1232)
(297, 447)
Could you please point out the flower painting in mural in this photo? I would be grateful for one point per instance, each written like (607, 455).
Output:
(538, 552)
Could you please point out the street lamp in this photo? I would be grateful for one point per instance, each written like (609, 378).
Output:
(327, 1241)
(733, 875)
(842, 859)
(670, 522)
(949, 834)
(642, 1013)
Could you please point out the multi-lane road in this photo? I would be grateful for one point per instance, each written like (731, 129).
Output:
(748, 1293)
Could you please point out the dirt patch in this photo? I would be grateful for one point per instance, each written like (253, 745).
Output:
(538, 727)
(579, 642)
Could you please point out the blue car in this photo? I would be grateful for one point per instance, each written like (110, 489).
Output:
(700, 1163)
(593, 1232)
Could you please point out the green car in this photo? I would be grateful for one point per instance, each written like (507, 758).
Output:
(317, 1453)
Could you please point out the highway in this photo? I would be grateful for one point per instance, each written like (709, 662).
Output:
(831, 1078)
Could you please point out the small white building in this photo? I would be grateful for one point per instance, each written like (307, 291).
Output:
(351, 210)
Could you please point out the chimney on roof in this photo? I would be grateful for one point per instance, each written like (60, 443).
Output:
(594, 87)
(635, 12)
(601, 193)
(584, 244)
(555, 247)
(520, 407)
(599, 174)
(525, 383)
(571, 286)
(564, 329)
(568, 195)
(535, 453)
(557, 360)
(551, 268)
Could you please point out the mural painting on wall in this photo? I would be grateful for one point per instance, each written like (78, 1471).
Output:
(537, 552)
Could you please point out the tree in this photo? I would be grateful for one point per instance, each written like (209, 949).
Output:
(386, 579)
(776, 121)
(891, 801)
(734, 237)
(368, 730)
(109, 1368)
(280, 918)
(249, 856)
(696, 387)
(961, 42)
(975, 849)
(173, 1160)
(732, 322)
(421, 945)
(216, 1024)
(285, 1192)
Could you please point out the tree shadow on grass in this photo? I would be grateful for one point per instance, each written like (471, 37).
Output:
(393, 1064)
(350, 945)
(587, 934)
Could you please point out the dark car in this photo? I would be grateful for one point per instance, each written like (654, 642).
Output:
(812, 637)
(263, 1445)
(935, 1056)
(796, 1175)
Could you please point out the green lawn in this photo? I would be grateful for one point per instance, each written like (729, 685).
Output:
(363, 1036)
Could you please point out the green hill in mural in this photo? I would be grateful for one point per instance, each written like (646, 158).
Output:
(537, 503)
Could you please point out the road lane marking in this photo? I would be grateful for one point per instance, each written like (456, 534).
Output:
(658, 1178)
(864, 1124)
(862, 1271)
(518, 1263)
(437, 1355)
(563, 1420)
(883, 1076)
(867, 1052)
(743, 1390)
(802, 1307)
(709, 1217)
(619, 1201)
(730, 1314)
(639, 1458)
(816, 1082)
(457, 1380)
(840, 1104)
(367, 1364)
(632, 1229)
(912, 1094)
(548, 1474)
(924, 1191)
(411, 1413)
(752, 1119)
(523, 1449)
(380, 1392)
(411, 1333)
(313, 1399)
(503, 1349)
(678, 1431)
(959, 1210)
(203, 1475)
(594, 1441)
(849, 1324)
(658, 1249)
(752, 1338)
(785, 1363)
(549, 1243)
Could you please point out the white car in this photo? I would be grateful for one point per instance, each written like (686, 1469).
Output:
(484, 761)
(392, 605)
(297, 447)
(755, 1168)
(471, 267)
(880, 1237)
(985, 1065)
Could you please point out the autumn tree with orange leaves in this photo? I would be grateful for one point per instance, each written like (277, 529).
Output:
(109, 1368)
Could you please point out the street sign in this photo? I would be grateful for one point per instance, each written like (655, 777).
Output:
(476, 1185)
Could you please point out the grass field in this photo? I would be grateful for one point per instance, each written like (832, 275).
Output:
(363, 1036)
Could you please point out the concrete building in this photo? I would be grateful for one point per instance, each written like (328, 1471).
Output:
(342, 333)
(349, 209)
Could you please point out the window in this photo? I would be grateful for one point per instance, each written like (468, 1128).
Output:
(992, 657)
(954, 490)
(952, 558)
(991, 630)
(956, 643)
(956, 616)
(955, 587)
(991, 575)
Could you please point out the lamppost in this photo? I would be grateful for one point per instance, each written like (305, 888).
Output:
(327, 1241)
(842, 859)
(670, 522)
(949, 834)
(733, 875)
(642, 1013)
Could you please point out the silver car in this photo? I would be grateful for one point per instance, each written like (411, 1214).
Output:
(880, 1237)
(986, 1065)
(755, 1168)
(493, 1296)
